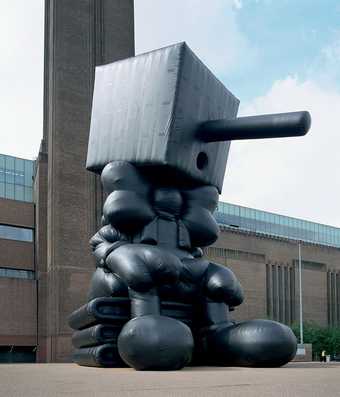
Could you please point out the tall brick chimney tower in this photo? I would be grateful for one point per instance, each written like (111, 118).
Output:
(79, 35)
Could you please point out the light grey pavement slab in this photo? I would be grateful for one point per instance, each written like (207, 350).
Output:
(64, 380)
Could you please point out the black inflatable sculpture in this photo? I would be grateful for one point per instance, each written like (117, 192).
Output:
(160, 134)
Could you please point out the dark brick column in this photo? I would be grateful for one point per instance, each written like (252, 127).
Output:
(79, 35)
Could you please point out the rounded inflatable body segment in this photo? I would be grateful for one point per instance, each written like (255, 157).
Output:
(155, 343)
(254, 343)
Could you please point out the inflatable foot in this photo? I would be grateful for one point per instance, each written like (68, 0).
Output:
(155, 343)
(256, 343)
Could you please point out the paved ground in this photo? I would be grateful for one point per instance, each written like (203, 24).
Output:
(64, 380)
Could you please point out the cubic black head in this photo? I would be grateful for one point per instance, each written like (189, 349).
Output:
(147, 110)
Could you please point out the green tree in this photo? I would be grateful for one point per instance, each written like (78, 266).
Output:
(321, 338)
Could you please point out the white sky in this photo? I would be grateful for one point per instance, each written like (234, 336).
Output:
(296, 177)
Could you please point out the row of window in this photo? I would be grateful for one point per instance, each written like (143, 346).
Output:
(234, 254)
(16, 192)
(308, 265)
(16, 178)
(279, 225)
(16, 171)
(16, 273)
(16, 233)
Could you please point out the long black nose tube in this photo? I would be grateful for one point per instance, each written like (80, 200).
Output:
(256, 127)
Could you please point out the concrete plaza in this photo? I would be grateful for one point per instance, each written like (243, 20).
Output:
(64, 380)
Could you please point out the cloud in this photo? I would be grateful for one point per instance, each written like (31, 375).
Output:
(292, 176)
(21, 71)
(326, 67)
(210, 29)
(237, 4)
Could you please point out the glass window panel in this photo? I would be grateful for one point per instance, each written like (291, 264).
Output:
(9, 163)
(16, 233)
(258, 216)
(19, 193)
(2, 161)
(301, 227)
(2, 189)
(28, 173)
(28, 194)
(9, 176)
(20, 165)
(312, 227)
(9, 191)
(15, 273)
(261, 216)
(2, 175)
(322, 232)
(338, 238)
(334, 236)
(317, 230)
(19, 178)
